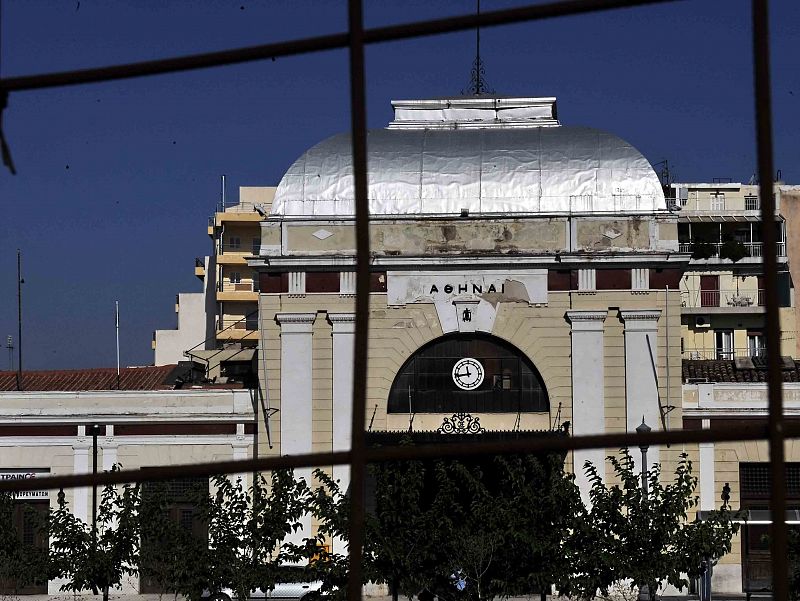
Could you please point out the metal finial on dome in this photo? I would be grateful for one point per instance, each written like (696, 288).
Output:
(477, 84)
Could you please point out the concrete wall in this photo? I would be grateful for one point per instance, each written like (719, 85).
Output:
(790, 208)
(191, 331)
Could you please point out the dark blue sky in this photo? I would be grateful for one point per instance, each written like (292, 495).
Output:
(116, 180)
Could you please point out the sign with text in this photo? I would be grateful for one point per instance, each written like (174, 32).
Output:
(26, 474)
(494, 286)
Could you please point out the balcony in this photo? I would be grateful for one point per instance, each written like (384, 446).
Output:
(238, 328)
(200, 268)
(754, 250)
(725, 354)
(244, 290)
(724, 301)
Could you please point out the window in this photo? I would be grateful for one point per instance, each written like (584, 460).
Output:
(235, 277)
(468, 373)
(709, 291)
(25, 517)
(754, 483)
(176, 502)
(256, 246)
(724, 340)
(751, 203)
(756, 344)
(234, 242)
(718, 201)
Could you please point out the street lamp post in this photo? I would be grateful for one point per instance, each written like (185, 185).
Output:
(645, 593)
(643, 428)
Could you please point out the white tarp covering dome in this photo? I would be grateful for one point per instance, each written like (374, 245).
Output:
(479, 161)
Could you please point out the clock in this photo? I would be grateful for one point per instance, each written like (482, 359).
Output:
(468, 373)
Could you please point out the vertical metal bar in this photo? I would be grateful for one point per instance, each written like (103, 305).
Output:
(778, 538)
(19, 320)
(358, 115)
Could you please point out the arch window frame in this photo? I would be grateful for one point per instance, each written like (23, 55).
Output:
(511, 384)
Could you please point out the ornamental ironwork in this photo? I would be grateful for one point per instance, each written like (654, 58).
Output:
(461, 423)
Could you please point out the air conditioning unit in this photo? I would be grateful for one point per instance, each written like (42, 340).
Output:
(702, 321)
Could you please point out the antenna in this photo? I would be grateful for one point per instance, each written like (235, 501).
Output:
(116, 320)
(221, 207)
(477, 84)
(20, 281)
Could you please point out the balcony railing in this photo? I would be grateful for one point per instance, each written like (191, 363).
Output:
(243, 286)
(754, 249)
(727, 354)
(722, 298)
(249, 324)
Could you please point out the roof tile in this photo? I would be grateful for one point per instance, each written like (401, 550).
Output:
(100, 378)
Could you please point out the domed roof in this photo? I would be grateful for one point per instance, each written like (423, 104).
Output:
(490, 171)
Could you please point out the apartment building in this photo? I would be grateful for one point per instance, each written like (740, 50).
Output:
(722, 292)
(218, 326)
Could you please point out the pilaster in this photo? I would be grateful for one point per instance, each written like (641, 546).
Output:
(588, 390)
(641, 367)
(296, 421)
(344, 329)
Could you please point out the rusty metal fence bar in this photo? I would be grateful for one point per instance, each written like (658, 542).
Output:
(394, 453)
(315, 44)
(776, 431)
(358, 461)
(763, 106)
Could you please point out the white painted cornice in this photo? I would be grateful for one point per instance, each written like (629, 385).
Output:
(450, 262)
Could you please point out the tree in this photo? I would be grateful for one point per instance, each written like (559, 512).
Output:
(21, 564)
(460, 530)
(513, 517)
(244, 549)
(643, 536)
(98, 558)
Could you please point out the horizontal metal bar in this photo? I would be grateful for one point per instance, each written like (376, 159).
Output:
(315, 44)
(508, 16)
(467, 448)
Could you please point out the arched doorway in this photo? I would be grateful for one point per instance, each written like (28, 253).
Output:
(468, 373)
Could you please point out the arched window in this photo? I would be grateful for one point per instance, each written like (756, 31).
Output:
(470, 373)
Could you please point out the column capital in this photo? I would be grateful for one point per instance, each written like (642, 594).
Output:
(300, 323)
(586, 321)
(641, 319)
(343, 323)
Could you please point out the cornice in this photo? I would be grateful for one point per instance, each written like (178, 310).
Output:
(342, 317)
(586, 315)
(305, 318)
(641, 315)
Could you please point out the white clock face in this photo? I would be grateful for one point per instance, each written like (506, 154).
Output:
(468, 373)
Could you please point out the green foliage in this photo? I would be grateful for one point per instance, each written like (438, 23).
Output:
(172, 556)
(21, 565)
(332, 508)
(96, 559)
(458, 530)
(245, 530)
(644, 536)
(794, 564)
(702, 250)
(733, 250)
